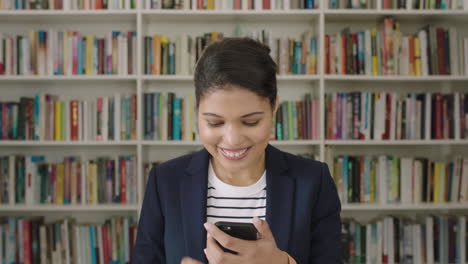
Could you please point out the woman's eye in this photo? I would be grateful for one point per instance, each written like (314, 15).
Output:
(254, 123)
(215, 124)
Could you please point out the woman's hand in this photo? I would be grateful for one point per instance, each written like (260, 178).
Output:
(261, 251)
(188, 260)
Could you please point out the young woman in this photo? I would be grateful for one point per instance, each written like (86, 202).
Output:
(238, 177)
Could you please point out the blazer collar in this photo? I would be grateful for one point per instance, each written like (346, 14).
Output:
(280, 194)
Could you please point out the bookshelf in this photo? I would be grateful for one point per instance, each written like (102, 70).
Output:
(173, 23)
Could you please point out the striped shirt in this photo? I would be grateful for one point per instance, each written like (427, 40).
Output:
(235, 203)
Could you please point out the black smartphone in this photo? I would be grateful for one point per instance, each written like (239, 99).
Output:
(245, 231)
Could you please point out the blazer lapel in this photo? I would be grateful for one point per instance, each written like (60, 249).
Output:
(280, 197)
(193, 193)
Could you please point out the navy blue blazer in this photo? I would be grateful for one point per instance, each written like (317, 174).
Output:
(303, 210)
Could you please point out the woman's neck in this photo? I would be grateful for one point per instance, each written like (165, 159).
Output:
(241, 177)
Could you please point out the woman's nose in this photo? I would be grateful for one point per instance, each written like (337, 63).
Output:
(233, 136)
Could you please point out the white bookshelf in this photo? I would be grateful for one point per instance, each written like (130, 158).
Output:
(291, 87)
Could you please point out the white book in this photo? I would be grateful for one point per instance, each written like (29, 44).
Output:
(186, 4)
(194, 4)
(127, 7)
(380, 241)
(66, 240)
(80, 120)
(43, 243)
(368, 243)
(100, 243)
(219, 5)
(86, 121)
(382, 175)
(124, 60)
(245, 5)
(26, 58)
(404, 61)
(417, 247)
(417, 191)
(368, 52)
(429, 240)
(464, 181)
(453, 42)
(12, 181)
(117, 117)
(105, 118)
(134, 55)
(84, 180)
(422, 35)
(462, 238)
(258, 4)
(406, 175)
(77, 250)
(394, 97)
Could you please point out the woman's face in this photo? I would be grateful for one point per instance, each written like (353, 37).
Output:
(234, 126)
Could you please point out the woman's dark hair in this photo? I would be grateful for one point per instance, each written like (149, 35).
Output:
(238, 62)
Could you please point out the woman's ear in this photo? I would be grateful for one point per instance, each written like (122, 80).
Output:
(276, 105)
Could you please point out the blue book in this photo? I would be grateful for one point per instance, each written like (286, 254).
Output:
(80, 56)
(176, 107)
(297, 57)
(361, 55)
(345, 178)
(309, 4)
(92, 244)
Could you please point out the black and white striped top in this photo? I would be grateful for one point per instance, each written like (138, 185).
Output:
(234, 203)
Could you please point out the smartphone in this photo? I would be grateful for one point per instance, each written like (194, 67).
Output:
(245, 231)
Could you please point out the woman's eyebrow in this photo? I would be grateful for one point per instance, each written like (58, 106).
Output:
(246, 115)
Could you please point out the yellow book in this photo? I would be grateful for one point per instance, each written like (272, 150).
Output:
(436, 182)
(58, 120)
(157, 55)
(164, 62)
(89, 54)
(115, 56)
(417, 56)
(210, 5)
(92, 183)
(33, 51)
(214, 36)
(375, 69)
(60, 174)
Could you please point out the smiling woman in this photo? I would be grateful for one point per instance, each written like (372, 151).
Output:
(238, 177)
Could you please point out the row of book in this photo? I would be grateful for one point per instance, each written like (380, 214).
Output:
(297, 120)
(400, 180)
(33, 240)
(52, 52)
(48, 117)
(168, 117)
(388, 51)
(396, 116)
(178, 56)
(232, 4)
(389, 240)
(424, 4)
(351, 4)
(67, 4)
(75, 180)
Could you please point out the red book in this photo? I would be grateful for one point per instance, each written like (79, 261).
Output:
(200, 4)
(237, 4)
(299, 120)
(327, 54)
(441, 50)
(266, 4)
(74, 119)
(123, 181)
(27, 241)
(388, 117)
(105, 242)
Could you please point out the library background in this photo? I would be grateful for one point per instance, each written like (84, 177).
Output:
(94, 92)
